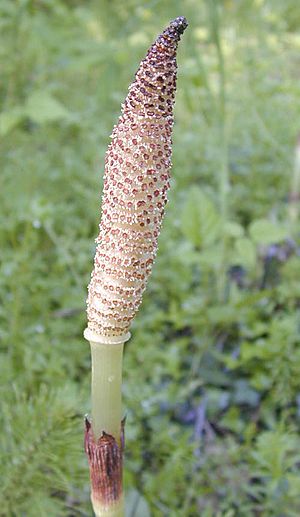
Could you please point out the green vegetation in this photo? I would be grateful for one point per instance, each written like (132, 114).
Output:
(212, 384)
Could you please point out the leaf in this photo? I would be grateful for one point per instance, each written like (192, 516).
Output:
(244, 394)
(41, 107)
(136, 505)
(234, 229)
(200, 220)
(245, 252)
(265, 232)
(10, 119)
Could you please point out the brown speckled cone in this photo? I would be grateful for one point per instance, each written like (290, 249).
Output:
(136, 182)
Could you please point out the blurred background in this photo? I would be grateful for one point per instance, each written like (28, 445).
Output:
(212, 372)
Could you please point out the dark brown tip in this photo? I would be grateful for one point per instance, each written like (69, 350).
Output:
(179, 24)
(170, 37)
(175, 28)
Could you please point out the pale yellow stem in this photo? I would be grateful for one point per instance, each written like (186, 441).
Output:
(106, 389)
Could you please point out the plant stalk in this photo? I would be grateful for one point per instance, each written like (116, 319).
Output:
(106, 389)
(136, 182)
(104, 435)
(294, 198)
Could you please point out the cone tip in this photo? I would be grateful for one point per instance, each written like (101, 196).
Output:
(179, 24)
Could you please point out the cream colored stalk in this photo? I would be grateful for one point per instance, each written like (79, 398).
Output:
(136, 181)
(294, 198)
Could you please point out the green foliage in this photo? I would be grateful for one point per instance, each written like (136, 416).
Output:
(212, 371)
(276, 459)
(39, 448)
(40, 107)
(200, 220)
